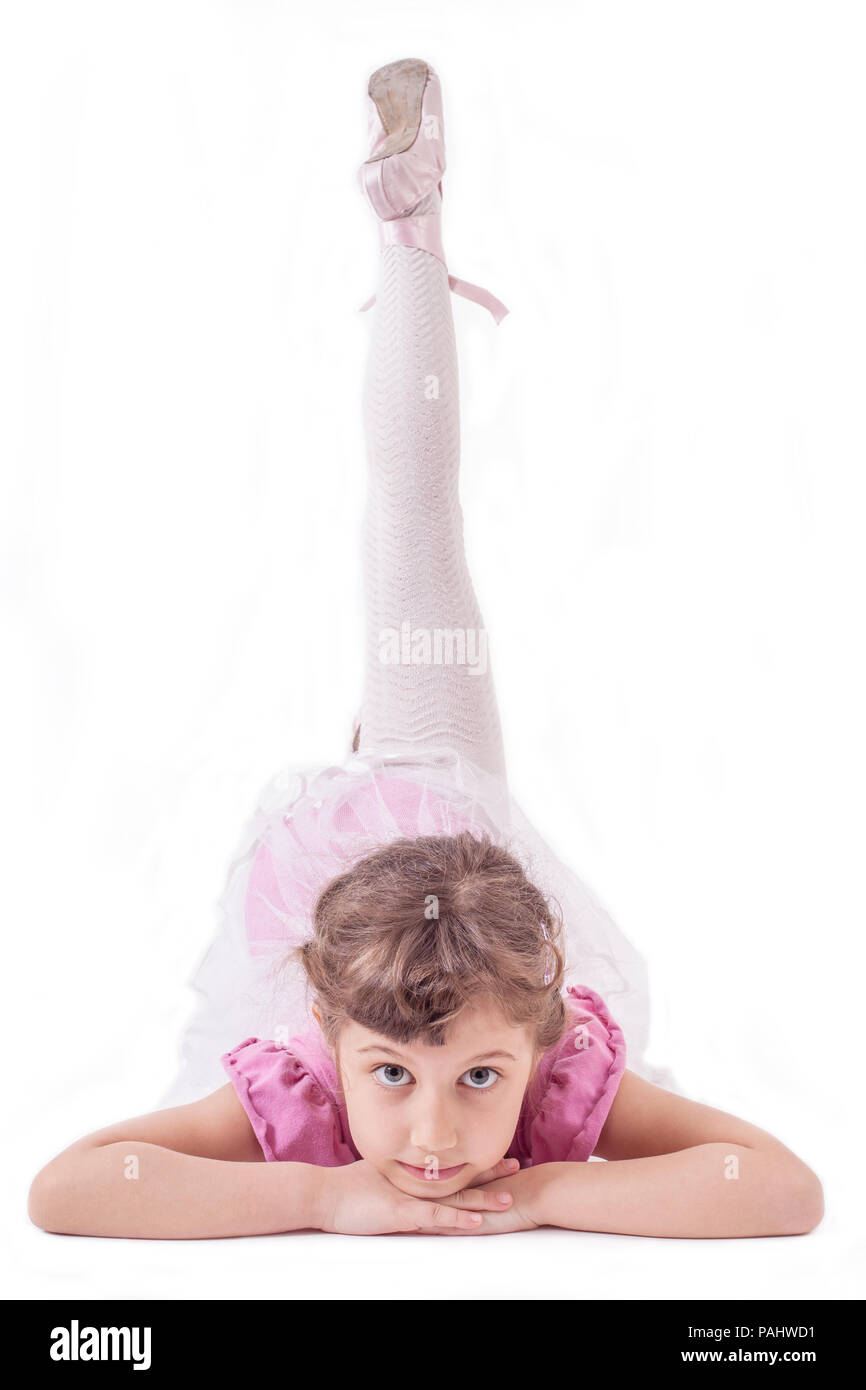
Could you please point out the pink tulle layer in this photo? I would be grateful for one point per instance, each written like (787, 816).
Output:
(312, 823)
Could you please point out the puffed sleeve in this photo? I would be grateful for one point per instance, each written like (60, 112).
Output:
(292, 1115)
(578, 1080)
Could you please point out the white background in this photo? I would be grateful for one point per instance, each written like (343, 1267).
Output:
(663, 495)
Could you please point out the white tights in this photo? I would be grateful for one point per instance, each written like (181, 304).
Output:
(415, 573)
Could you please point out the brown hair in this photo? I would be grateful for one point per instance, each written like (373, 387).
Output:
(417, 929)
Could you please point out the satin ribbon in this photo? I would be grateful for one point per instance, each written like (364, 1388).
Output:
(424, 232)
(466, 290)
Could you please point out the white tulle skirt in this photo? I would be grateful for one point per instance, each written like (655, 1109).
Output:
(312, 823)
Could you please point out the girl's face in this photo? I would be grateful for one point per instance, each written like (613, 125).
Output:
(431, 1118)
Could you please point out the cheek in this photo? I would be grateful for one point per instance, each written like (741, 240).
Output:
(501, 1114)
(489, 1120)
(371, 1119)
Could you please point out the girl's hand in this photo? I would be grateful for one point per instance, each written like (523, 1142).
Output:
(357, 1200)
(524, 1186)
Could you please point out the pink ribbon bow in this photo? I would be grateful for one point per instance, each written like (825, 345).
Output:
(424, 232)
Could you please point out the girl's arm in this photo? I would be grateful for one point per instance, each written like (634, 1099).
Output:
(196, 1171)
(188, 1172)
(675, 1168)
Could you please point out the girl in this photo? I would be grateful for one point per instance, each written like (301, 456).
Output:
(387, 1040)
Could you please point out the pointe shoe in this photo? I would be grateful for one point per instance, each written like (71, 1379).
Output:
(407, 137)
(402, 177)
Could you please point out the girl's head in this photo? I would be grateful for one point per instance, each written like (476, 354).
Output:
(436, 969)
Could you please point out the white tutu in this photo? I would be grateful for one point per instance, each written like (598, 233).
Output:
(312, 823)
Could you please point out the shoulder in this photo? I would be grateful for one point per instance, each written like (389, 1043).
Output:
(592, 1023)
(290, 1098)
(576, 1082)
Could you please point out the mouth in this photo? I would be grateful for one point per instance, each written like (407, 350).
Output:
(425, 1175)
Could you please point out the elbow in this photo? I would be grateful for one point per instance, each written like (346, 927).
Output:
(806, 1204)
(36, 1201)
(44, 1200)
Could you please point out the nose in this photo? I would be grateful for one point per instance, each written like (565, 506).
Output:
(432, 1129)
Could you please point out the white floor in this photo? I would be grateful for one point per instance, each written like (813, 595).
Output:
(533, 1264)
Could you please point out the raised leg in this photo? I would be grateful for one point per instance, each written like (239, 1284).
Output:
(428, 677)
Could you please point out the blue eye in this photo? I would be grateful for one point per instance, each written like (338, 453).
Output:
(394, 1075)
(480, 1078)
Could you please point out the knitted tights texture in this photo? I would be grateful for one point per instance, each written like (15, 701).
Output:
(420, 689)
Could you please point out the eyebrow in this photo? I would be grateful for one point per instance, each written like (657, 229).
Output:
(473, 1061)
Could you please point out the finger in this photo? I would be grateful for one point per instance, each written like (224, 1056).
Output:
(503, 1169)
(476, 1199)
(441, 1216)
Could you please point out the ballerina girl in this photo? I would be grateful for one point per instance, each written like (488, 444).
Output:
(414, 1017)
